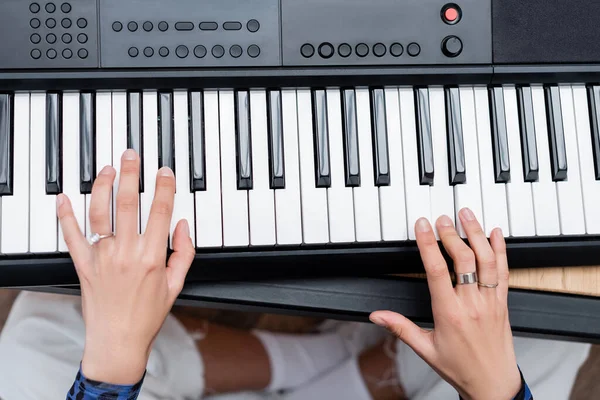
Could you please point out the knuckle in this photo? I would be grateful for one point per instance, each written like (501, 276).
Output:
(97, 216)
(129, 167)
(465, 256)
(455, 319)
(437, 270)
(504, 275)
(474, 314)
(489, 264)
(127, 204)
(163, 208)
(165, 182)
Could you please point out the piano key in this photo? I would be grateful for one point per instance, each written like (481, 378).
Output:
(315, 222)
(261, 200)
(424, 136)
(183, 207)
(518, 192)
(527, 125)
(499, 135)
(103, 143)
(287, 200)
(418, 203)
(87, 121)
(380, 140)
(135, 129)
(119, 141)
(43, 228)
(166, 150)
(322, 162)
(351, 161)
(150, 146)
(209, 227)
(585, 139)
(493, 194)
(556, 131)
(570, 201)
(71, 162)
(197, 142)
(468, 194)
(53, 143)
(392, 201)
(456, 150)
(366, 196)
(339, 197)
(6, 142)
(276, 146)
(545, 201)
(15, 208)
(235, 201)
(594, 110)
(243, 140)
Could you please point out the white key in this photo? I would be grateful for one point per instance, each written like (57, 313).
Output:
(570, 201)
(119, 140)
(493, 195)
(235, 202)
(209, 232)
(441, 193)
(183, 207)
(15, 208)
(287, 201)
(70, 163)
(261, 199)
(469, 193)
(418, 203)
(43, 228)
(339, 197)
(391, 198)
(545, 202)
(518, 192)
(150, 117)
(589, 184)
(366, 196)
(315, 224)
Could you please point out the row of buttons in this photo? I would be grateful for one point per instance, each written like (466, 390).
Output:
(163, 26)
(51, 23)
(51, 38)
(200, 51)
(67, 54)
(50, 8)
(326, 50)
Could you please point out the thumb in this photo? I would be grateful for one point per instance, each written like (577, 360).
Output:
(406, 330)
(180, 261)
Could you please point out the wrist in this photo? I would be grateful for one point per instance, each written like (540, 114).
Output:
(117, 365)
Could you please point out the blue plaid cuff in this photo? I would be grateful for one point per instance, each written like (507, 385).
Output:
(87, 389)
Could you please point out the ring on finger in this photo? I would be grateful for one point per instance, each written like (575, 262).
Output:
(488, 285)
(96, 237)
(466, 278)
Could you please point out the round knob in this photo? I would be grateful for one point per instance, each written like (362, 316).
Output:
(452, 46)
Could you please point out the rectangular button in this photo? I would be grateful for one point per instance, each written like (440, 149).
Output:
(53, 143)
(232, 26)
(166, 138)
(321, 139)
(275, 125)
(594, 106)
(556, 132)
(424, 139)
(184, 26)
(87, 138)
(209, 26)
(454, 128)
(499, 135)
(527, 124)
(135, 129)
(6, 138)
(349, 119)
(198, 181)
(243, 139)
(380, 140)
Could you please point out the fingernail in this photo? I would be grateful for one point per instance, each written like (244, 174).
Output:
(129, 154)
(165, 171)
(106, 170)
(423, 225)
(186, 226)
(467, 214)
(377, 319)
(444, 220)
(59, 200)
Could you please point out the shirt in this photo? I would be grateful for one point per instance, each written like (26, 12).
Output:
(87, 389)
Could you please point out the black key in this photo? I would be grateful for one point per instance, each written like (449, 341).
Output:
(321, 139)
(350, 138)
(243, 141)
(380, 142)
(7, 118)
(197, 144)
(528, 141)
(135, 130)
(87, 140)
(424, 139)
(556, 133)
(276, 163)
(456, 148)
(53, 143)
(499, 135)
(594, 103)
(166, 137)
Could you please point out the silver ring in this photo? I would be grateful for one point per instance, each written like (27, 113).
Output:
(487, 285)
(96, 237)
(466, 279)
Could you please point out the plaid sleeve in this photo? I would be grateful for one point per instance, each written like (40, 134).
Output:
(87, 389)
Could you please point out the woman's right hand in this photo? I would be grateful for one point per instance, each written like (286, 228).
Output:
(471, 345)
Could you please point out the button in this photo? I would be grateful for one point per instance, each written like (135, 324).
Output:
(35, 38)
(148, 51)
(307, 50)
(51, 38)
(132, 26)
(235, 51)
(253, 51)
(66, 38)
(182, 51)
(326, 50)
(184, 26)
(51, 54)
(452, 46)
(218, 51)
(396, 49)
(232, 26)
(117, 26)
(65, 8)
(148, 26)
(67, 53)
(35, 23)
(66, 23)
(362, 50)
(451, 14)
(82, 23)
(200, 51)
(253, 25)
(209, 26)
(163, 51)
(414, 49)
(83, 53)
(50, 8)
(133, 52)
(379, 50)
(34, 8)
(344, 50)
(51, 23)
(82, 38)
(163, 26)
(36, 54)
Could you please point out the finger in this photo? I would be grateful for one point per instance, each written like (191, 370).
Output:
(405, 330)
(76, 242)
(499, 247)
(486, 259)
(180, 261)
(128, 197)
(438, 277)
(100, 202)
(161, 212)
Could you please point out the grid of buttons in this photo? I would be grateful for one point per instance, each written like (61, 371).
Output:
(327, 50)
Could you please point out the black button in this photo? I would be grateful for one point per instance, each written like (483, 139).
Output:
(326, 50)
(51, 54)
(66, 8)
(51, 38)
(344, 50)
(148, 26)
(396, 49)
(133, 52)
(307, 50)
(184, 26)
(148, 51)
(117, 26)
(218, 51)
(35, 23)
(82, 38)
(66, 38)
(209, 26)
(452, 46)
(50, 8)
(182, 51)
(82, 23)
(362, 50)
(253, 51)
(35, 38)
(66, 23)
(83, 53)
(253, 25)
(379, 50)
(132, 26)
(67, 53)
(163, 26)
(36, 54)
(414, 49)
(232, 26)
(163, 51)
(200, 51)
(34, 8)
(51, 23)
(235, 51)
